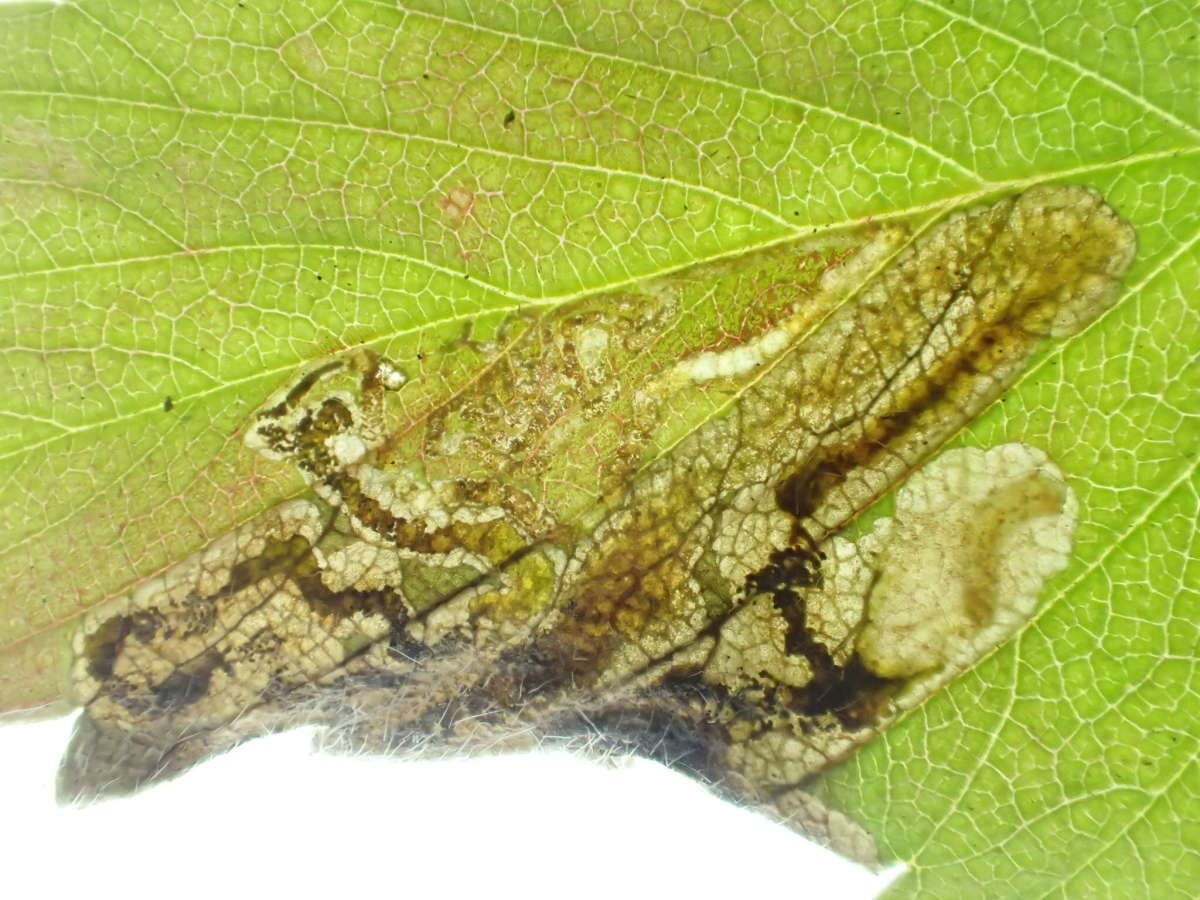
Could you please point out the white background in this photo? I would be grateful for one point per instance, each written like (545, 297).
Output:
(273, 819)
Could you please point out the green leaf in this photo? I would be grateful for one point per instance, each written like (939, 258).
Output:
(201, 198)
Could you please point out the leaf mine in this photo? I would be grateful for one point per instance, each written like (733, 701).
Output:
(628, 536)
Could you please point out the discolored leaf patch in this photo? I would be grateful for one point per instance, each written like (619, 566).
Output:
(607, 540)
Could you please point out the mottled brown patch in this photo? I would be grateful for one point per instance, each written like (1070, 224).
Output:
(605, 537)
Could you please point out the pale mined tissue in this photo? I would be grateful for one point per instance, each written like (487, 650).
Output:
(575, 551)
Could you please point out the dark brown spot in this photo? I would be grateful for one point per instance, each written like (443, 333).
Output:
(852, 693)
(103, 646)
(785, 578)
(188, 683)
(302, 387)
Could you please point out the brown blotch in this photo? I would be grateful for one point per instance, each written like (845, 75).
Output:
(628, 588)
(802, 492)
(301, 387)
(848, 692)
(851, 693)
(290, 558)
(103, 646)
(188, 683)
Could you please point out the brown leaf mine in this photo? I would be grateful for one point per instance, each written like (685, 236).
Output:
(603, 541)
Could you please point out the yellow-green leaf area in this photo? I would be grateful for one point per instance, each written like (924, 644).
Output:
(199, 199)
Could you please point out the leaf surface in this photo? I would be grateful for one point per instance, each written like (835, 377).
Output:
(202, 198)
